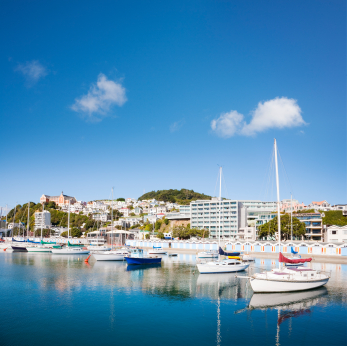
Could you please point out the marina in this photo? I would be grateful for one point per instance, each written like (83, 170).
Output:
(58, 295)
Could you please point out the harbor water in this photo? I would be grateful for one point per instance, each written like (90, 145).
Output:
(52, 300)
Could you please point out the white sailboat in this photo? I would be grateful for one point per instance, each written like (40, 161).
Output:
(208, 254)
(221, 266)
(113, 255)
(37, 248)
(285, 279)
(69, 250)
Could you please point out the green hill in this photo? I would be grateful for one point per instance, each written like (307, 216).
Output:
(182, 196)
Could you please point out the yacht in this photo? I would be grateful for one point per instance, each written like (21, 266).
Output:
(116, 255)
(157, 251)
(208, 254)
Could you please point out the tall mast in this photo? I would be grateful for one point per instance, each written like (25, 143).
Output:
(278, 202)
(68, 224)
(291, 218)
(28, 220)
(43, 208)
(14, 218)
(220, 201)
(112, 221)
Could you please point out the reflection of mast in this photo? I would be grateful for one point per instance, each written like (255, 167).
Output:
(278, 328)
(219, 337)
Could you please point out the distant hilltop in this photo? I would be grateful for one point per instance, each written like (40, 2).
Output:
(183, 196)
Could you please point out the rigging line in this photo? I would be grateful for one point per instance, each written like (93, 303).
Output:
(290, 185)
(263, 186)
(268, 187)
(214, 192)
(227, 194)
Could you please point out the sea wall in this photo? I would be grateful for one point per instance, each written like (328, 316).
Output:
(326, 249)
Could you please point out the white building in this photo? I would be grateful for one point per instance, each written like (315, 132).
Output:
(247, 233)
(335, 234)
(42, 219)
(207, 214)
(184, 209)
(103, 217)
(125, 211)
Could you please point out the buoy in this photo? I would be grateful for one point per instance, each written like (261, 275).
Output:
(5, 248)
(86, 260)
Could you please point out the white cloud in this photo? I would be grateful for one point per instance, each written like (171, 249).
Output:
(176, 125)
(101, 96)
(278, 113)
(32, 70)
(227, 124)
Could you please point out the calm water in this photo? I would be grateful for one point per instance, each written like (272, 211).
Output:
(60, 300)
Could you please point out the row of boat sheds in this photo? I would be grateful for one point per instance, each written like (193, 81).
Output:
(302, 247)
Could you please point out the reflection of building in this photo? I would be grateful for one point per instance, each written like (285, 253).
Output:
(59, 200)
(42, 219)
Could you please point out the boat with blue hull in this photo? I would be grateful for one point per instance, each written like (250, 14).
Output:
(142, 260)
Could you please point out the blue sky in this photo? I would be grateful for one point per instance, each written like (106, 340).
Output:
(154, 95)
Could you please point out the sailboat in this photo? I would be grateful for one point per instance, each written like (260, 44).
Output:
(40, 247)
(284, 279)
(227, 265)
(69, 250)
(17, 248)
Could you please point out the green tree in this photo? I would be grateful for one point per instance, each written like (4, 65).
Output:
(271, 227)
(51, 205)
(334, 217)
(149, 227)
(160, 235)
(75, 232)
(121, 199)
(46, 232)
(166, 221)
(157, 225)
(147, 236)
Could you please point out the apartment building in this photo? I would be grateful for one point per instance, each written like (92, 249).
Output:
(184, 209)
(103, 217)
(42, 219)
(226, 215)
(314, 225)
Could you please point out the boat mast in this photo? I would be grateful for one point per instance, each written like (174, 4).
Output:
(68, 224)
(28, 220)
(278, 203)
(220, 202)
(43, 208)
(291, 218)
(112, 221)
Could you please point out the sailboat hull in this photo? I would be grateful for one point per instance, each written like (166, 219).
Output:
(19, 248)
(213, 268)
(38, 249)
(267, 286)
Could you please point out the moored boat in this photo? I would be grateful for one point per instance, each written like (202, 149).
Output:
(208, 254)
(143, 260)
(157, 251)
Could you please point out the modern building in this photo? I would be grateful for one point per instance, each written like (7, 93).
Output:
(335, 234)
(314, 225)
(42, 219)
(226, 216)
(247, 234)
(59, 200)
(184, 209)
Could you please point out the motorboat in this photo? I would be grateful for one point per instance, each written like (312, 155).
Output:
(223, 266)
(95, 247)
(38, 248)
(157, 251)
(16, 248)
(208, 254)
(117, 255)
(143, 260)
(70, 251)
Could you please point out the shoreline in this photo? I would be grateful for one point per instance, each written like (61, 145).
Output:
(315, 258)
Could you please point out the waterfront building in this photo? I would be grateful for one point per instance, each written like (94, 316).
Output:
(335, 234)
(59, 200)
(313, 223)
(184, 209)
(247, 233)
(42, 219)
(230, 215)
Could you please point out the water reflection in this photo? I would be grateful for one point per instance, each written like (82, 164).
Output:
(216, 308)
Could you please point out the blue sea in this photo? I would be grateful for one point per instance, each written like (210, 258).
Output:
(61, 300)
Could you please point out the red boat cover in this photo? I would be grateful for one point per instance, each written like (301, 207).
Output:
(288, 260)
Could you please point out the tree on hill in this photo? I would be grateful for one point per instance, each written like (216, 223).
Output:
(271, 227)
(121, 199)
(183, 196)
